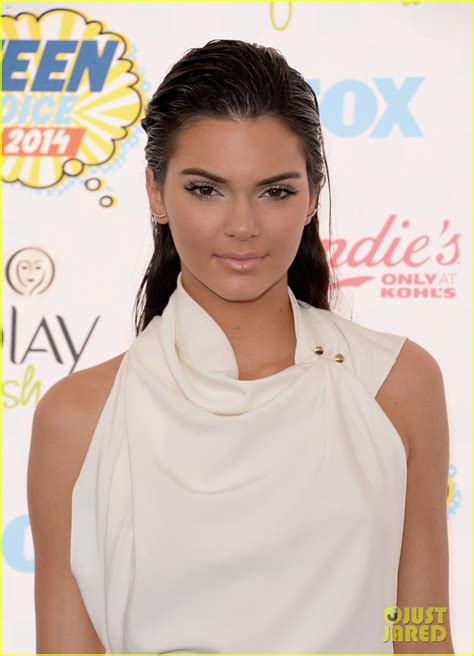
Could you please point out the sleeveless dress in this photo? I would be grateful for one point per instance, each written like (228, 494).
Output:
(218, 515)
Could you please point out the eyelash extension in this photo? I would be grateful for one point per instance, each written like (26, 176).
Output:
(290, 191)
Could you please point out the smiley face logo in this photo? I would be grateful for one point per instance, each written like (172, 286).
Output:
(30, 271)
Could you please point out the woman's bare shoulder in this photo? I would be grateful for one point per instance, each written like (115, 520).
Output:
(72, 405)
(86, 384)
(98, 377)
(408, 393)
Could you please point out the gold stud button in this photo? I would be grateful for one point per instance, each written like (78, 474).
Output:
(318, 350)
(339, 357)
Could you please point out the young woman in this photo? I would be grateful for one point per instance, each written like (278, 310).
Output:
(256, 473)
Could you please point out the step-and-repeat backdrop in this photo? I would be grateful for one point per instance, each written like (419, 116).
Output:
(394, 84)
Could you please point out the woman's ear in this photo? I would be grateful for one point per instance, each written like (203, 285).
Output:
(150, 182)
(153, 191)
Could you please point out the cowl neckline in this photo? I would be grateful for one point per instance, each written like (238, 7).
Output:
(201, 363)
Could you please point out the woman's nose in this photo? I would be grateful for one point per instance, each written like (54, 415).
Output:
(241, 220)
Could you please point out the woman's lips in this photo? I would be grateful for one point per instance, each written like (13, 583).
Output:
(249, 264)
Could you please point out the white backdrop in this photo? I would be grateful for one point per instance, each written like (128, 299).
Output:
(394, 85)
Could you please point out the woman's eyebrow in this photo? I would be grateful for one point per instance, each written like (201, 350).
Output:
(217, 178)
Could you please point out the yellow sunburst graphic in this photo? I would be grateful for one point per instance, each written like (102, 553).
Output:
(69, 96)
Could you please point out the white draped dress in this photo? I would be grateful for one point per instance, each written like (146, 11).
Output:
(218, 515)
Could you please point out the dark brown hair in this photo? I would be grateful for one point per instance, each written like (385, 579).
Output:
(229, 78)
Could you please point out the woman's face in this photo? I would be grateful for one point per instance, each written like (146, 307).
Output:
(239, 212)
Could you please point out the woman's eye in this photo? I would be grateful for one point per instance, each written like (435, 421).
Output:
(289, 192)
(193, 188)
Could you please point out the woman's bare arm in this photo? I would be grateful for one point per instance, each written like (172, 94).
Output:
(424, 563)
(62, 426)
